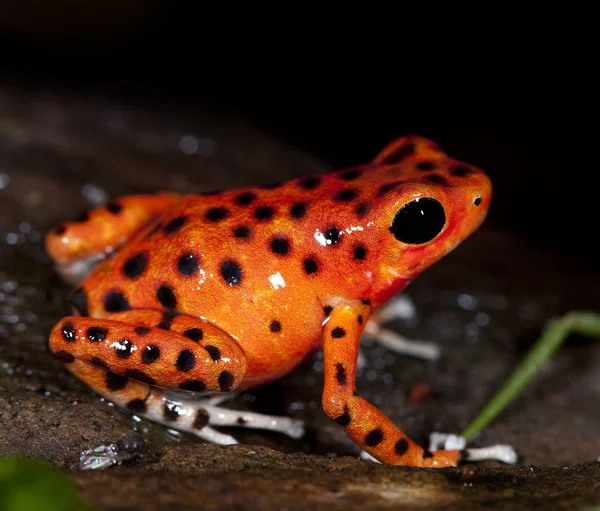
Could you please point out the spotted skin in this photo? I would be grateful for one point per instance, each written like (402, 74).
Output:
(273, 271)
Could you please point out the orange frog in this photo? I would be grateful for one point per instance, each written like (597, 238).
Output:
(229, 290)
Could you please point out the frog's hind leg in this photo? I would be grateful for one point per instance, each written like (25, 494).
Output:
(131, 357)
(220, 416)
(75, 247)
(145, 401)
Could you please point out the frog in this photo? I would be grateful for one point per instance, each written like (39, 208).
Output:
(180, 300)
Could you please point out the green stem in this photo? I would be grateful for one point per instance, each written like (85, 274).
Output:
(554, 334)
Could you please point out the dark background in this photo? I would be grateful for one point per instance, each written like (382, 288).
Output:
(509, 92)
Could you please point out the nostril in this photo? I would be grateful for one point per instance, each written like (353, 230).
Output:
(477, 201)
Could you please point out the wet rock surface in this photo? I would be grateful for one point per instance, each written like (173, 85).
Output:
(484, 304)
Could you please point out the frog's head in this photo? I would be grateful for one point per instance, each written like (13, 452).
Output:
(431, 206)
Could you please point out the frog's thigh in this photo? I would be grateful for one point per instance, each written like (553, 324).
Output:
(125, 358)
(75, 247)
(175, 352)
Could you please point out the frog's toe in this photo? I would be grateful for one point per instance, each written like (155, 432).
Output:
(399, 344)
(297, 429)
(500, 452)
(400, 307)
(366, 456)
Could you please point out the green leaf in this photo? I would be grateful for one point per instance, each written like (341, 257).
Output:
(28, 485)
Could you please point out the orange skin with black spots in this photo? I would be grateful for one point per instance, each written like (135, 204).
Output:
(268, 274)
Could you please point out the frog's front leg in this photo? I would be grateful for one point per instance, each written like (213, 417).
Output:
(365, 424)
(77, 246)
(126, 357)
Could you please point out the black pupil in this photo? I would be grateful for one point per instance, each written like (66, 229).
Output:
(418, 221)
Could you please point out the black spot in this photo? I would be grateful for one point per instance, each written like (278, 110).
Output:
(195, 334)
(360, 252)
(136, 374)
(201, 419)
(153, 230)
(359, 319)
(340, 373)
(425, 165)
(68, 332)
(114, 207)
(401, 447)
(477, 201)
(263, 213)
(175, 224)
(244, 199)
(280, 246)
(383, 189)
(350, 175)
(298, 210)
(344, 419)
(135, 266)
(418, 221)
(214, 352)
(332, 235)
(231, 272)
(98, 362)
(242, 232)
(79, 300)
(241, 421)
(186, 361)
(226, 380)
(171, 411)
(114, 382)
(400, 154)
(327, 310)
(310, 266)
(60, 230)
(275, 326)
(366, 302)
(346, 195)
(362, 209)
(187, 264)
(193, 386)
(374, 437)
(115, 301)
(97, 333)
(271, 186)
(461, 171)
(216, 214)
(64, 356)
(141, 330)
(167, 320)
(150, 354)
(437, 179)
(338, 332)
(123, 348)
(310, 183)
(166, 296)
(137, 405)
(427, 454)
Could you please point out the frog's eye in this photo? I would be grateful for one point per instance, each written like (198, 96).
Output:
(418, 221)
